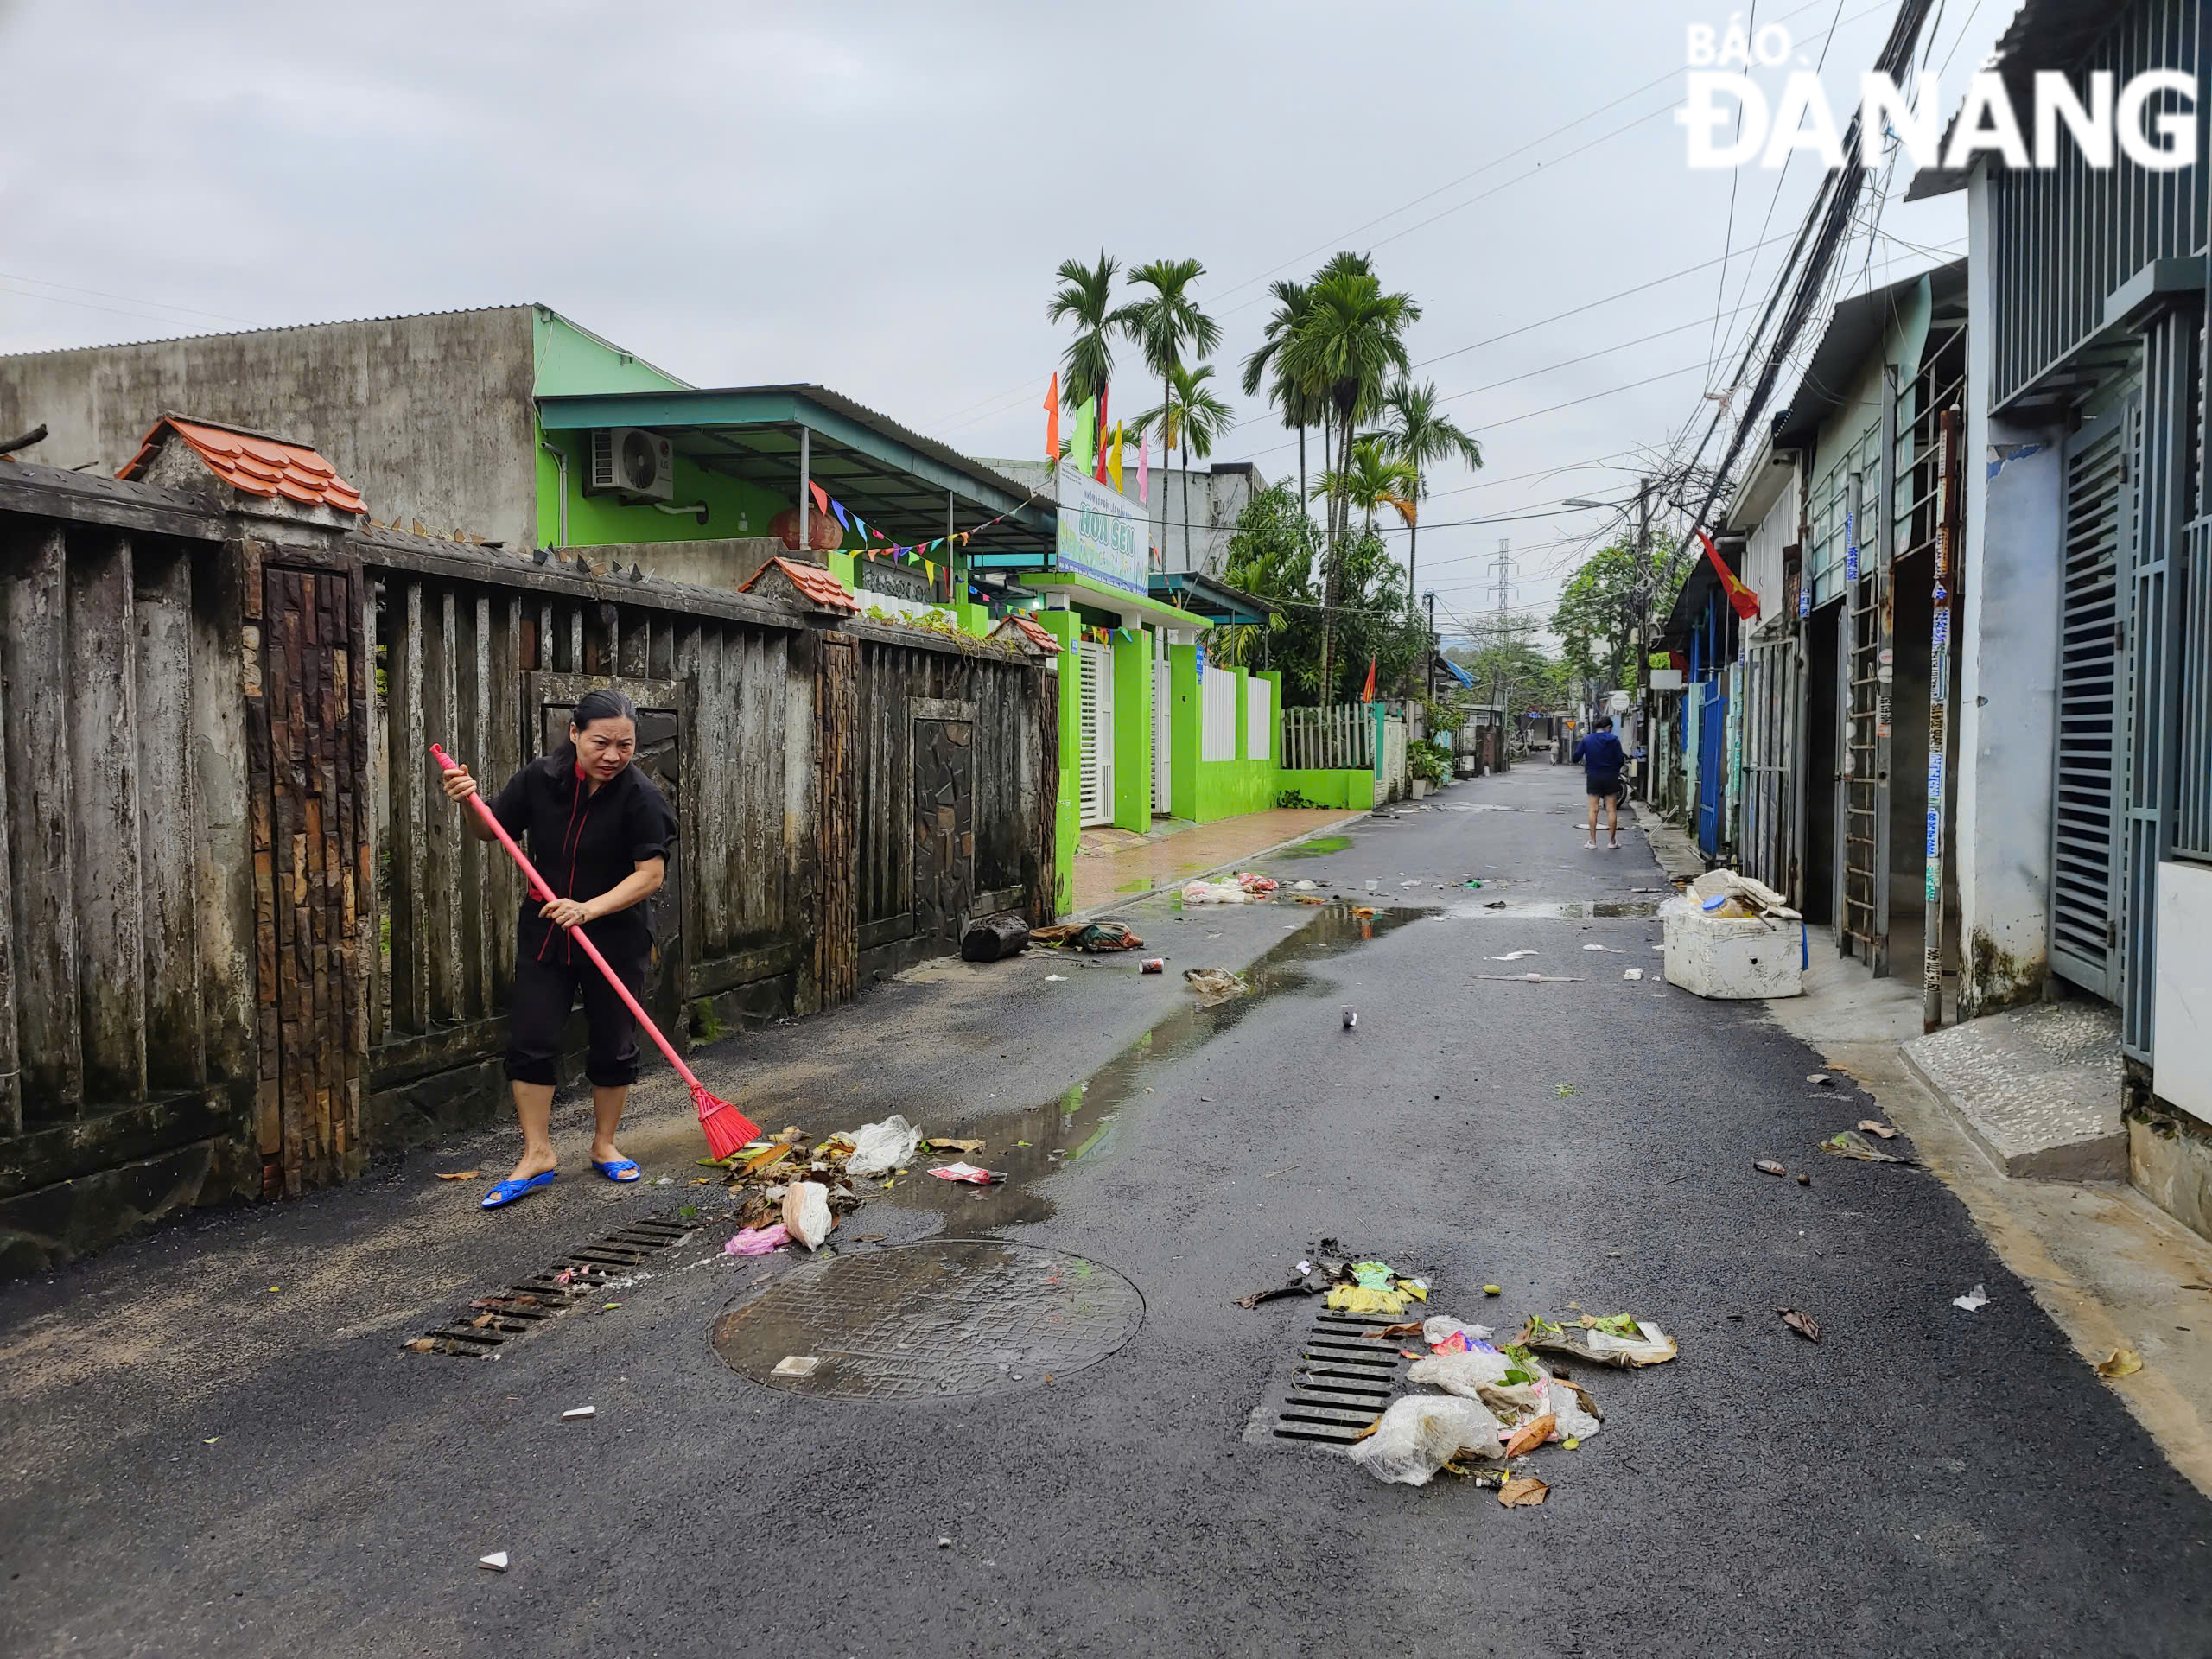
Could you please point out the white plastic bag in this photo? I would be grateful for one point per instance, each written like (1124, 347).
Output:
(1422, 1433)
(1465, 1375)
(879, 1148)
(1439, 1326)
(1215, 893)
(806, 1213)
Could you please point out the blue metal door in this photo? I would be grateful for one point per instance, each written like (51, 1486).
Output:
(1712, 756)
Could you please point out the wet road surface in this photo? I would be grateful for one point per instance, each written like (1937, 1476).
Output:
(212, 1443)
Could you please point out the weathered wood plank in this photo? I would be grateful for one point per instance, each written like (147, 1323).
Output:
(170, 837)
(507, 749)
(412, 801)
(686, 664)
(635, 660)
(474, 733)
(50, 1045)
(11, 1103)
(375, 894)
(104, 817)
(442, 862)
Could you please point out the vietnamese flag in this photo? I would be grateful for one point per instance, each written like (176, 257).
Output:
(1745, 602)
(1053, 421)
(1367, 693)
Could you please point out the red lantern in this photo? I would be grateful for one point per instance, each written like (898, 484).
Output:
(823, 533)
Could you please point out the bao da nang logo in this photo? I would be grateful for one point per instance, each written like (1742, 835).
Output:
(2150, 121)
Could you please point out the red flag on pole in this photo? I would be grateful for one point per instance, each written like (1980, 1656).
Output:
(1745, 601)
(1053, 421)
(1367, 693)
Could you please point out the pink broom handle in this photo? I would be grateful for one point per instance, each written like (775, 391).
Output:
(538, 885)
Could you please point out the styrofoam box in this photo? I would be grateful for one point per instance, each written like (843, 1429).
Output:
(1733, 959)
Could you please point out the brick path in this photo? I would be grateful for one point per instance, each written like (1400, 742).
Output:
(1102, 876)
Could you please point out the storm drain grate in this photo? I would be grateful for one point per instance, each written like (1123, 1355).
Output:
(1347, 1372)
(507, 1316)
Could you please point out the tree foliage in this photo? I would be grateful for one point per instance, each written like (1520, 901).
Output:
(1599, 609)
(1086, 294)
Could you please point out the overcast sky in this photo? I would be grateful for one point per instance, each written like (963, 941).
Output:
(874, 197)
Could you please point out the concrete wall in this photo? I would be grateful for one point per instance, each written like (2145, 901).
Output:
(724, 564)
(2007, 635)
(429, 417)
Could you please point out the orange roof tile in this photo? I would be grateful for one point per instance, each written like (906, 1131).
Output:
(1036, 634)
(811, 580)
(258, 465)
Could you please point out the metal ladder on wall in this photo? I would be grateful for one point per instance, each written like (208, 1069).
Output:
(1860, 796)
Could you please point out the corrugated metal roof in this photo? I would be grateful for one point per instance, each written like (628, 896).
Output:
(278, 329)
(2043, 34)
(1855, 329)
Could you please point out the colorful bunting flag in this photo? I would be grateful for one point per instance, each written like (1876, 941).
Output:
(1098, 471)
(1144, 467)
(820, 496)
(1086, 434)
(1113, 460)
(1053, 421)
(838, 507)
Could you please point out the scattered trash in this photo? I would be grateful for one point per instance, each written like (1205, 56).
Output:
(1441, 1332)
(797, 1365)
(495, 1562)
(1372, 1287)
(1849, 1143)
(1821, 1078)
(1534, 979)
(1601, 947)
(1351, 1018)
(577, 1414)
(757, 1241)
(1494, 904)
(1308, 899)
(1874, 1128)
(1972, 1301)
(879, 1148)
(1510, 956)
(806, 1213)
(1523, 1491)
(1804, 1180)
(1153, 965)
(1421, 1433)
(1769, 1166)
(1362, 912)
(1303, 885)
(1215, 986)
(2124, 1362)
(1056, 979)
(995, 937)
(1092, 937)
(457, 1174)
(1802, 1324)
(1633, 973)
(1492, 1290)
(1617, 1340)
(968, 1172)
(1531, 1434)
(1563, 1090)
(943, 1144)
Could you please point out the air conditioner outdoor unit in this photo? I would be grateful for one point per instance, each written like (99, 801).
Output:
(630, 462)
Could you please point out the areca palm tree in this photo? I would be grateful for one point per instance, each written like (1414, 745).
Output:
(1417, 434)
(1086, 294)
(1192, 416)
(1376, 479)
(1167, 326)
(1347, 351)
(1300, 409)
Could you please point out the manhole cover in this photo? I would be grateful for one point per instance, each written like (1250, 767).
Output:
(921, 1321)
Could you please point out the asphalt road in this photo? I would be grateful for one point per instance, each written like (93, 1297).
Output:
(212, 1443)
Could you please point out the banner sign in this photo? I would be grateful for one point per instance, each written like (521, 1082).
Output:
(1100, 537)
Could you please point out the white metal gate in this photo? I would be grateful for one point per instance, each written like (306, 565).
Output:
(2085, 827)
(1096, 666)
(1770, 740)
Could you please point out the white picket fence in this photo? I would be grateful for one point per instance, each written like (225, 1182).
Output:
(1341, 739)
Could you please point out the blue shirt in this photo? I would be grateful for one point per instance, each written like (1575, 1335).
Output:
(1601, 756)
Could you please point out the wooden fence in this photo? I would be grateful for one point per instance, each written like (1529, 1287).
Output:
(248, 943)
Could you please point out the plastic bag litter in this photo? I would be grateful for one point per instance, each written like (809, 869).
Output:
(1363, 1299)
(1215, 893)
(1480, 1374)
(757, 1241)
(1439, 1328)
(1602, 1347)
(1464, 1374)
(879, 1148)
(806, 1213)
(1420, 1434)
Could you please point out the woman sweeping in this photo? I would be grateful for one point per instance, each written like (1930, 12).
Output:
(599, 832)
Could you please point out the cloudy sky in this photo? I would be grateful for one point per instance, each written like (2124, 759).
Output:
(874, 197)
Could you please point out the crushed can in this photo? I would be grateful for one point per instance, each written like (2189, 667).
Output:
(1153, 965)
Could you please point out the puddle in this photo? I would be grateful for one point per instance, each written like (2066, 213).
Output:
(1083, 1124)
(1320, 848)
(1535, 910)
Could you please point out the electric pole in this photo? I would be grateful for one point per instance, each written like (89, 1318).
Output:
(1428, 659)
(1639, 675)
(1502, 587)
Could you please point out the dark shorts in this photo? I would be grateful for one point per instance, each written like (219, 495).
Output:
(1604, 789)
(537, 1014)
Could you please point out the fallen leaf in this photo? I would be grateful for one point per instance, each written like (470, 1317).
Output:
(1847, 1143)
(1369, 1430)
(1531, 1434)
(423, 1345)
(1767, 1166)
(1821, 1078)
(1492, 1290)
(1523, 1491)
(458, 1174)
(482, 1320)
(1410, 1328)
(1802, 1324)
(2124, 1362)
(1881, 1129)
(955, 1145)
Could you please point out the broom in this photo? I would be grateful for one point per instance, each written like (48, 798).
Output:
(726, 1127)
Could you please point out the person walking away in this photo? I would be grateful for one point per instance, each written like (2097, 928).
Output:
(599, 832)
(1602, 761)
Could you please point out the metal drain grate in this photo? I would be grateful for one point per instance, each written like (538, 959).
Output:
(509, 1315)
(1348, 1371)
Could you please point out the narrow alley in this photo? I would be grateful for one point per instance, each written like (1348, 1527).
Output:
(215, 1440)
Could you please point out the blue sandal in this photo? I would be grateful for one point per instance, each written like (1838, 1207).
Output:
(620, 1171)
(507, 1192)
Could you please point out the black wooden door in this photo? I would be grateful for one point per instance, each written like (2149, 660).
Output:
(944, 825)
